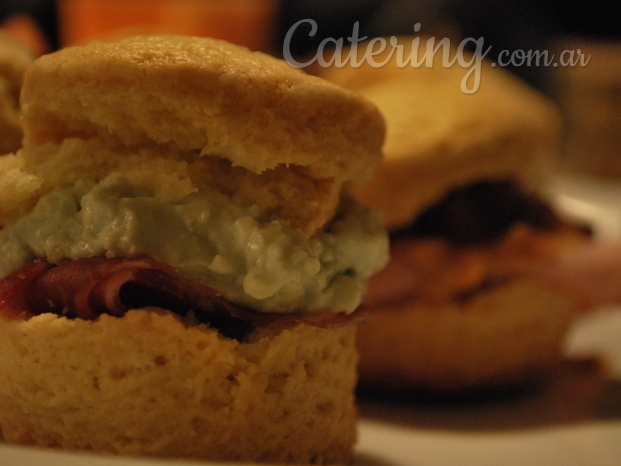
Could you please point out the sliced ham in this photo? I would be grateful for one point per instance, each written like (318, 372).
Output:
(88, 287)
(486, 233)
(332, 320)
(591, 274)
(433, 270)
(91, 286)
(14, 288)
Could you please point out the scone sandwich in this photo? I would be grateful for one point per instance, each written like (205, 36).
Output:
(179, 257)
(474, 296)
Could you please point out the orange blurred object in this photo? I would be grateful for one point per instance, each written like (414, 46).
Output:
(24, 29)
(244, 22)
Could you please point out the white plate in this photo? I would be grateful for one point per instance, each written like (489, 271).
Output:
(574, 420)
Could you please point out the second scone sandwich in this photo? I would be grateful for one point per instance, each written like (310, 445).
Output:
(478, 292)
(177, 253)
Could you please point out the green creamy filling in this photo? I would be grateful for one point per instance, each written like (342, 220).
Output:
(251, 260)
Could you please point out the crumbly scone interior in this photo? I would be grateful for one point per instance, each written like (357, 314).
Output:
(152, 384)
(284, 193)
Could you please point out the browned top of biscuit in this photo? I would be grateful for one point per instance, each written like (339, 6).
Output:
(206, 96)
(440, 137)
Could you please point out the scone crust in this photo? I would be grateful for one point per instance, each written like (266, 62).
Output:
(147, 384)
(202, 95)
(507, 336)
(439, 137)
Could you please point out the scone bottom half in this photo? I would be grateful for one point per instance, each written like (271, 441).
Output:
(179, 254)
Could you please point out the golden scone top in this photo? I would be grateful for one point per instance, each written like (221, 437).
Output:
(439, 137)
(203, 95)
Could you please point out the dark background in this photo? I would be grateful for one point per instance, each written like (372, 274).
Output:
(505, 25)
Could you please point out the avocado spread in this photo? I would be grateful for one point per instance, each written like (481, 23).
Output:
(252, 260)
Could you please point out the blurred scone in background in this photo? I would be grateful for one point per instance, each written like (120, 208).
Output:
(460, 306)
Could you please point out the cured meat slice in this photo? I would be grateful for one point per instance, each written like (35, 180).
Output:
(88, 287)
